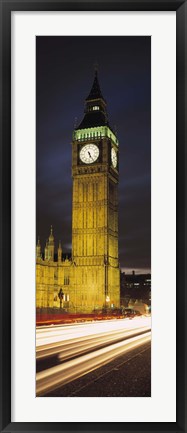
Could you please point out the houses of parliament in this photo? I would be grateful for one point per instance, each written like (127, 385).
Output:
(90, 279)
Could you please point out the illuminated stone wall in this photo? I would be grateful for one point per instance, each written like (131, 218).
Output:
(50, 278)
(95, 228)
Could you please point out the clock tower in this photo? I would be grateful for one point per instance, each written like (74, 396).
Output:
(95, 172)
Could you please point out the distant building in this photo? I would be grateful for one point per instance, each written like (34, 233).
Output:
(135, 288)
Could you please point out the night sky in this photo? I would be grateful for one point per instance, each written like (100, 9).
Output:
(64, 76)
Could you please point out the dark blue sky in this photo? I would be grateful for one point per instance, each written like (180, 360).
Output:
(64, 76)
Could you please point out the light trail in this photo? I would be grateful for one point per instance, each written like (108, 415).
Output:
(59, 333)
(85, 347)
(59, 375)
(76, 346)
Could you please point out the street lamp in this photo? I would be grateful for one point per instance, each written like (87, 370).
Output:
(60, 295)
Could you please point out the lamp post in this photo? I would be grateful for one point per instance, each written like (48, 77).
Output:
(60, 295)
(107, 298)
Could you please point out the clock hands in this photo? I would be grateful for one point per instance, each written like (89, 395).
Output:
(90, 155)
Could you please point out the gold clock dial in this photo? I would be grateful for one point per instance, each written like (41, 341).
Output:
(89, 153)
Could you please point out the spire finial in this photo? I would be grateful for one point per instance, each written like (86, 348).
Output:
(51, 237)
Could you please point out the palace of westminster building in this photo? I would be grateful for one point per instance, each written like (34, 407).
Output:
(90, 279)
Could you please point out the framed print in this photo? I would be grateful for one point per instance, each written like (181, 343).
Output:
(84, 275)
(92, 114)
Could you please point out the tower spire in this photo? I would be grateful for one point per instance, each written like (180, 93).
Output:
(38, 249)
(51, 245)
(95, 107)
(46, 250)
(59, 252)
(51, 237)
(95, 92)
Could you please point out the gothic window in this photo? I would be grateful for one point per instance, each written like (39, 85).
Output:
(66, 280)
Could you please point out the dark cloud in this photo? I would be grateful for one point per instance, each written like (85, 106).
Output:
(64, 75)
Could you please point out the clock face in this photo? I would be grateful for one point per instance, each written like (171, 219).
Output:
(89, 153)
(114, 157)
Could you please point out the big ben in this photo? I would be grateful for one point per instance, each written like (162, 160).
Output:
(95, 173)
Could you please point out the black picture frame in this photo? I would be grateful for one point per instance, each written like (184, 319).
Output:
(6, 7)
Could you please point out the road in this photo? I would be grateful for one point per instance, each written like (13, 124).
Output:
(67, 353)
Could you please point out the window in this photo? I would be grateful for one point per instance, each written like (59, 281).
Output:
(66, 280)
(96, 107)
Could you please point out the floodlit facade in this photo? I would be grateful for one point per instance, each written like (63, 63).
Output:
(90, 280)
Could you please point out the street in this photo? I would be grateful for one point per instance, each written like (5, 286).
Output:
(82, 359)
(126, 376)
